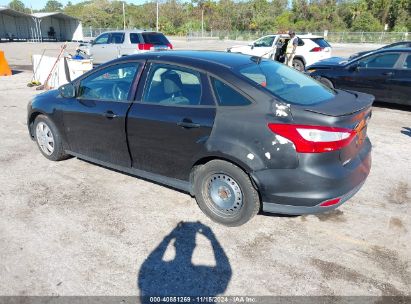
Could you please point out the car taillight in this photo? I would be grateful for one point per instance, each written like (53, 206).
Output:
(314, 139)
(317, 49)
(145, 46)
(170, 46)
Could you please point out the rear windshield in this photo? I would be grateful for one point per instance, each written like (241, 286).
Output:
(155, 38)
(286, 83)
(321, 42)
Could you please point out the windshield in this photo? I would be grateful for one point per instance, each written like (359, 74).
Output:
(286, 83)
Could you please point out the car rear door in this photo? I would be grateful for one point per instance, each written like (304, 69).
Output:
(170, 121)
(94, 121)
(113, 49)
(372, 75)
(400, 82)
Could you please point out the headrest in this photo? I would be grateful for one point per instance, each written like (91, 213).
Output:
(171, 82)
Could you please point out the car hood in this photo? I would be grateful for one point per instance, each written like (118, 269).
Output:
(329, 62)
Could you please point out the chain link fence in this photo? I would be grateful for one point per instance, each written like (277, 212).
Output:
(336, 37)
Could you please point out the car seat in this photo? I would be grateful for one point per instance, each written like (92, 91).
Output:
(173, 88)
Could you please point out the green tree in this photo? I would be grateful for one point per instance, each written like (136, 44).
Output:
(366, 22)
(17, 5)
(53, 6)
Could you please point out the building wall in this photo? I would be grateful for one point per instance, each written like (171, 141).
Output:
(24, 27)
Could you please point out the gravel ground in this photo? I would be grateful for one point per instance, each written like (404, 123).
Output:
(74, 228)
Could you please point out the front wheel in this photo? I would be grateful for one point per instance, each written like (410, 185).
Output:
(298, 65)
(326, 82)
(225, 193)
(48, 138)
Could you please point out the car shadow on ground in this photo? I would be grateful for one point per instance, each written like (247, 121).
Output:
(179, 276)
(392, 106)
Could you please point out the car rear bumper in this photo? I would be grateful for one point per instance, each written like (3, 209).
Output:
(302, 190)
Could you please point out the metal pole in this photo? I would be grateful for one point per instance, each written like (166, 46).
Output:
(157, 17)
(124, 16)
(202, 23)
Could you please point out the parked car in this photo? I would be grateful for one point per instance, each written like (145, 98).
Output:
(386, 74)
(310, 49)
(111, 45)
(396, 45)
(236, 132)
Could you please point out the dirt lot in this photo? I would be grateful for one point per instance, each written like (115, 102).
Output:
(74, 228)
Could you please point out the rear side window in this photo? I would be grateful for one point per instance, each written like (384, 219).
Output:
(117, 38)
(155, 38)
(386, 61)
(227, 96)
(286, 83)
(321, 42)
(169, 85)
(135, 38)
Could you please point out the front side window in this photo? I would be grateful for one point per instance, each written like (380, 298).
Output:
(386, 61)
(117, 38)
(169, 85)
(227, 96)
(407, 62)
(265, 41)
(102, 39)
(111, 84)
(286, 83)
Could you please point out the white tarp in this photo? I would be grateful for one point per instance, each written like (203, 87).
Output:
(43, 65)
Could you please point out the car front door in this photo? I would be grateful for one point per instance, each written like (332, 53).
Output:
(94, 121)
(263, 46)
(371, 75)
(171, 120)
(400, 82)
(99, 48)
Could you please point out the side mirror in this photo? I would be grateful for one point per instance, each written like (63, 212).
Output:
(67, 91)
(251, 45)
(91, 41)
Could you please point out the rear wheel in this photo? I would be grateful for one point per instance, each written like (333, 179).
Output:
(225, 193)
(48, 138)
(298, 65)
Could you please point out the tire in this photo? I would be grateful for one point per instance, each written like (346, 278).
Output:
(225, 193)
(298, 65)
(327, 82)
(48, 139)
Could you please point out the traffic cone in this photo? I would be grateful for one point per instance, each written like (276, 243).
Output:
(4, 66)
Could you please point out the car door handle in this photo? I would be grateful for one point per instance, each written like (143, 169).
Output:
(388, 73)
(188, 124)
(110, 114)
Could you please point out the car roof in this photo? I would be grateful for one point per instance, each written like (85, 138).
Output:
(131, 31)
(302, 36)
(208, 60)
